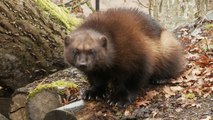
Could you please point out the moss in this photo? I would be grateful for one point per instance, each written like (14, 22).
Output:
(208, 26)
(61, 14)
(190, 96)
(58, 84)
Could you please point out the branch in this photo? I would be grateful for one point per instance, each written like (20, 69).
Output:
(79, 4)
(90, 6)
(142, 4)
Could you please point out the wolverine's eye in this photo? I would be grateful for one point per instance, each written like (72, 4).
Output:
(92, 52)
(75, 52)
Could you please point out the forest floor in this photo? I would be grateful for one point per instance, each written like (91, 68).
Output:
(188, 97)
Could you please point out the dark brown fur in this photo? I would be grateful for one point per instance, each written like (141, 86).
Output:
(131, 50)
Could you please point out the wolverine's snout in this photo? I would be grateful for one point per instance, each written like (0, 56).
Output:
(82, 62)
(82, 65)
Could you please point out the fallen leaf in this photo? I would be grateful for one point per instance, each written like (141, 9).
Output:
(176, 88)
(151, 94)
(67, 92)
(142, 103)
(192, 57)
(154, 113)
(127, 113)
(178, 109)
(179, 80)
(207, 118)
(65, 101)
(204, 61)
(168, 92)
(196, 105)
(198, 91)
(195, 50)
(207, 94)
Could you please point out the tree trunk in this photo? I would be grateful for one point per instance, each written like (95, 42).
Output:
(31, 44)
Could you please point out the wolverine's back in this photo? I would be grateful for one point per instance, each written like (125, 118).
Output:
(129, 30)
(115, 19)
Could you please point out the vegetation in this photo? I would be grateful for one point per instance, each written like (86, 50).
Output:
(60, 14)
(57, 84)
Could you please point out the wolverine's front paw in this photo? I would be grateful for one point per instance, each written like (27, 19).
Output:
(93, 94)
(158, 82)
(121, 100)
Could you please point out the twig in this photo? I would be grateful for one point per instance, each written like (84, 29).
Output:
(64, 4)
(142, 4)
(150, 7)
(160, 7)
(79, 4)
(90, 6)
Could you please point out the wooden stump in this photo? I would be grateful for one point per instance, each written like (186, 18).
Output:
(34, 108)
(17, 108)
(42, 103)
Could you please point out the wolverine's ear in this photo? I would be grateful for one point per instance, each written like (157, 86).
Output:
(67, 40)
(104, 41)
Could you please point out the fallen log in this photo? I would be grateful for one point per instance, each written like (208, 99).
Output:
(31, 43)
(40, 97)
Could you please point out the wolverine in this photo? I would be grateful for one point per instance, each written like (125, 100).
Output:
(124, 50)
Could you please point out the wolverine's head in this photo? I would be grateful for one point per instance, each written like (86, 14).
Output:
(88, 50)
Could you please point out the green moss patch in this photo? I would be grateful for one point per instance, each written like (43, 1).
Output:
(61, 14)
(58, 84)
(190, 96)
(208, 26)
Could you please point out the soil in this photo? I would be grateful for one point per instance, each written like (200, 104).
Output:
(161, 109)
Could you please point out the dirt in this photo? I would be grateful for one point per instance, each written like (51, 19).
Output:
(160, 108)
(172, 108)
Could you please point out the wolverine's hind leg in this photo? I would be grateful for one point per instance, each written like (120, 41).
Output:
(170, 60)
(167, 69)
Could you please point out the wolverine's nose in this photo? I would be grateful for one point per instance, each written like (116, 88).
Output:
(82, 65)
